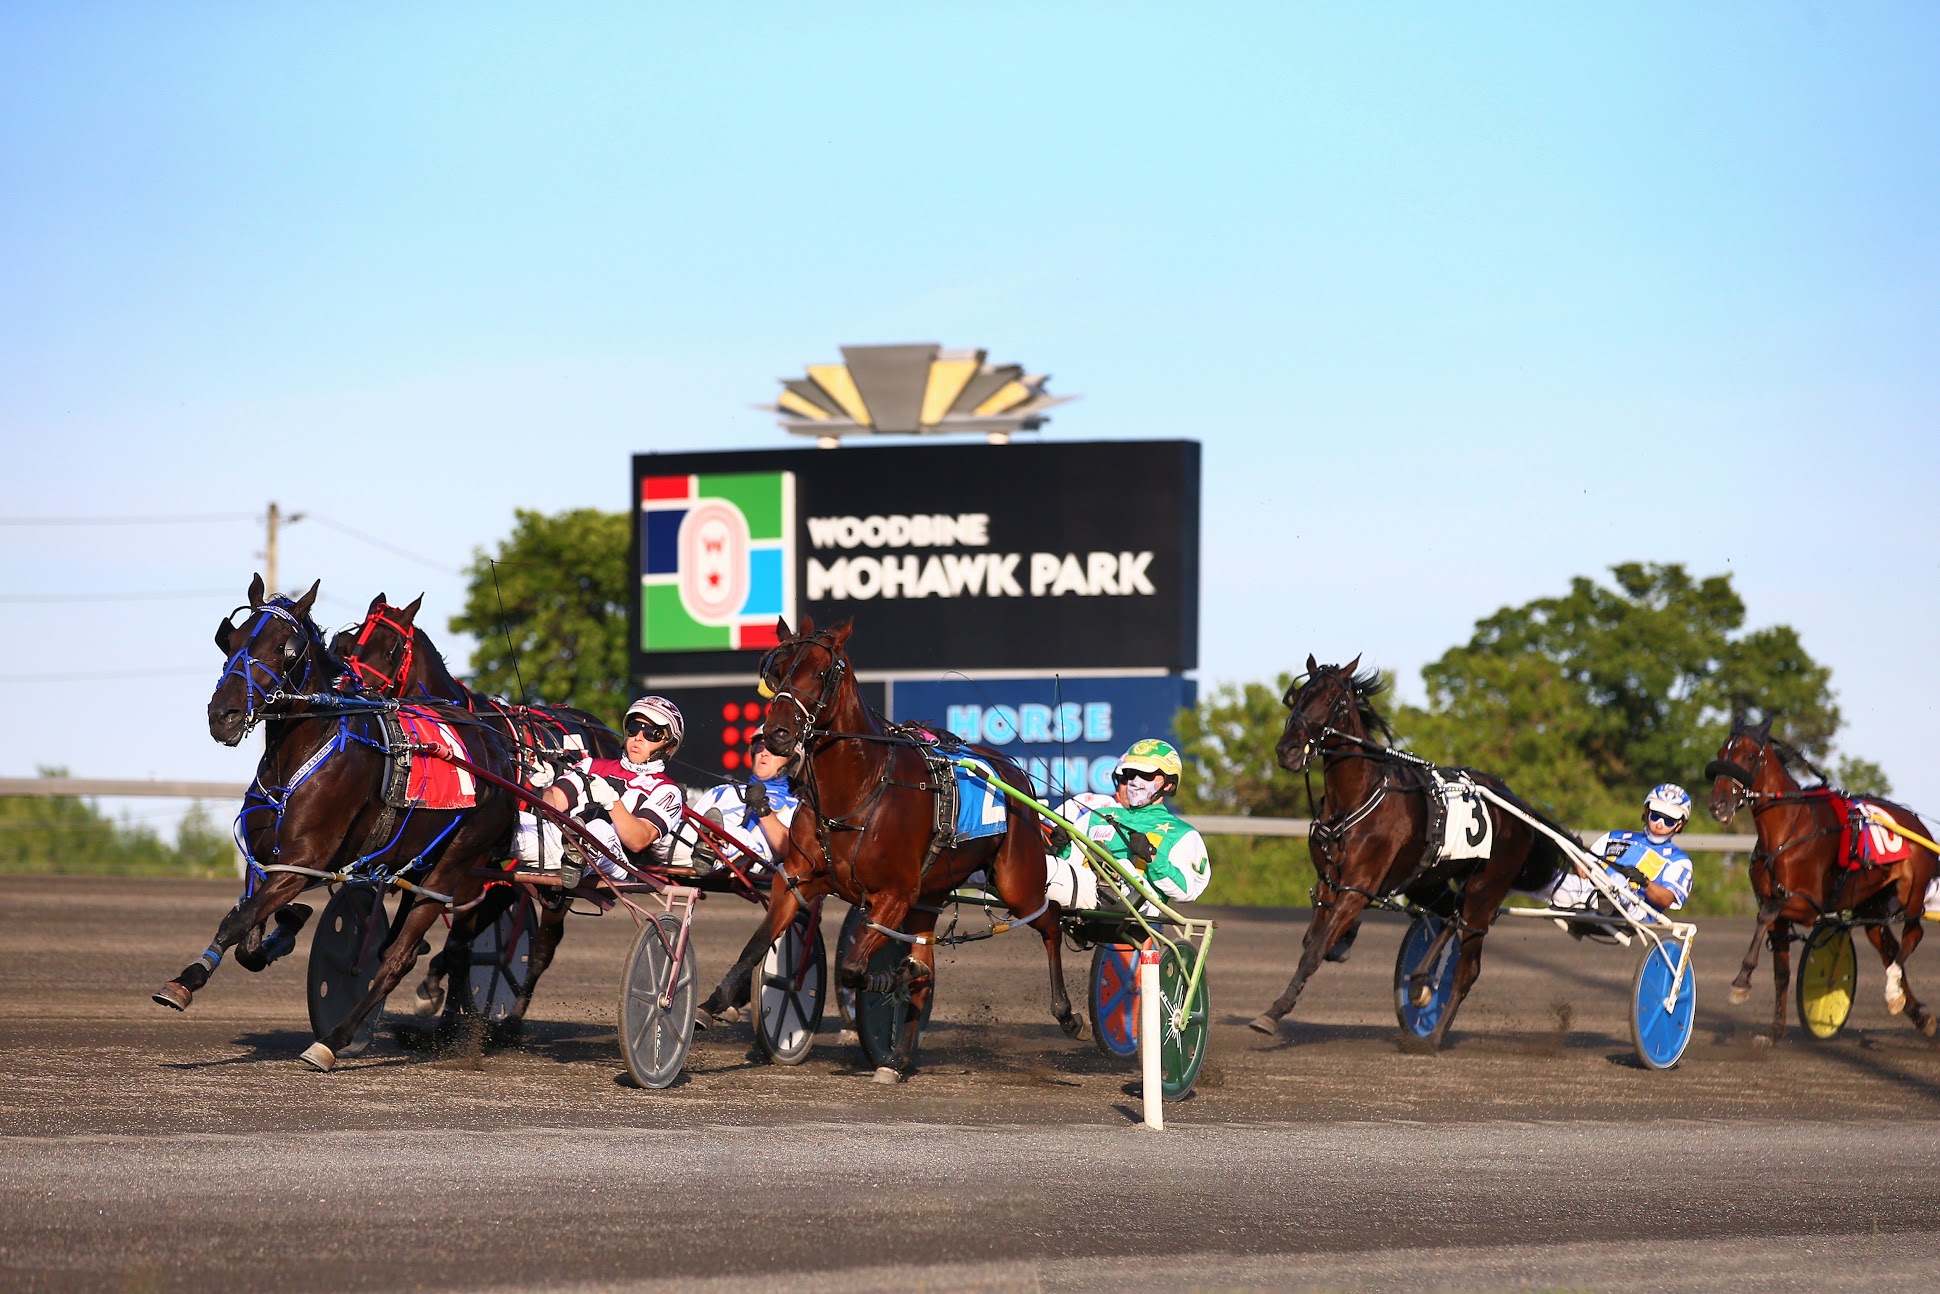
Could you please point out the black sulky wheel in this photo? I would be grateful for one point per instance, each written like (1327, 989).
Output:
(657, 1004)
(501, 960)
(879, 1017)
(1828, 978)
(788, 998)
(344, 953)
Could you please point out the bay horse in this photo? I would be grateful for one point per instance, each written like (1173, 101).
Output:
(391, 656)
(1372, 840)
(1796, 873)
(319, 800)
(865, 831)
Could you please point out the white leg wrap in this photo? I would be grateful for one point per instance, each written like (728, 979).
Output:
(1933, 895)
(1895, 993)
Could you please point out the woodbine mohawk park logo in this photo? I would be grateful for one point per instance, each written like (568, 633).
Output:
(717, 560)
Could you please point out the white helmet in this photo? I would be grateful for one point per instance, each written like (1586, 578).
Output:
(1671, 800)
(659, 710)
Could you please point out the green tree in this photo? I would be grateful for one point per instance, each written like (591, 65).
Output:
(1585, 701)
(64, 834)
(1227, 741)
(558, 588)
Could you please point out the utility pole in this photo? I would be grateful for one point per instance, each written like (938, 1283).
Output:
(276, 521)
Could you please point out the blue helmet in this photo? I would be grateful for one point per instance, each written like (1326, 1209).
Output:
(1671, 800)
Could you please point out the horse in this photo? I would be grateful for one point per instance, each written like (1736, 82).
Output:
(391, 656)
(866, 831)
(319, 795)
(1372, 841)
(1795, 869)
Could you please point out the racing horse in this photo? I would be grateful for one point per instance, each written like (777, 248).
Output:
(392, 657)
(866, 831)
(318, 804)
(1795, 869)
(1372, 841)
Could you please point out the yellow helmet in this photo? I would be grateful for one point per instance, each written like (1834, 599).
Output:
(1152, 755)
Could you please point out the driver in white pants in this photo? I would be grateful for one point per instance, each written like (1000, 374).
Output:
(1644, 865)
(629, 805)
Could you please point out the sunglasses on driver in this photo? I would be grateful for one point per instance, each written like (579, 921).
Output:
(639, 726)
(1654, 816)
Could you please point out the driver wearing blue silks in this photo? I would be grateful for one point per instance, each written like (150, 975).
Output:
(1646, 863)
(759, 813)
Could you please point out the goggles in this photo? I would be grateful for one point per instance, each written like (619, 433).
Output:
(1654, 815)
(1124, 775)
(641, 726)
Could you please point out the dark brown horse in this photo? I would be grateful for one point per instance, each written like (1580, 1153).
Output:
(320, 786)
(392, 656)
(1371, 842)
(1795, 869)
(865, 831)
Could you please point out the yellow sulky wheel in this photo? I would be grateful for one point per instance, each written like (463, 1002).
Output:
(1828, 973)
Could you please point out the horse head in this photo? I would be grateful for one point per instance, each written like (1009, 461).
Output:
(802, 674)
(382, 650)
(1328, 701)
(1741, 761)
(268, 642)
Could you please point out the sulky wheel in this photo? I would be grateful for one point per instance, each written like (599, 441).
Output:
(1114, 999)
(845, 997)
(344, 953)
(1422, 932)
(1182, 1024)
(1663, 1006)
(879, 1017)
(789, 995)
(1828, 976)
(657, 1004)
(501, 960)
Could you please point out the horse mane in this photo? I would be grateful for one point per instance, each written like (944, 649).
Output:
(1367, 685)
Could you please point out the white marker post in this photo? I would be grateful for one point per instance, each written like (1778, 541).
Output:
(1148, 1037)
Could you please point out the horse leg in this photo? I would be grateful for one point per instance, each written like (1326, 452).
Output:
(412, 924)
(1418, 990)
(783, 904)
(1741, 987)
(1893, 953)
(1480, 900)
(1327, 926)
(545, 945)
(256, 951)
(1022, 890)
(1781, 974)
(235, 925)
(918, 974)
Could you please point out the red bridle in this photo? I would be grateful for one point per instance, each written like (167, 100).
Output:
(368, 674)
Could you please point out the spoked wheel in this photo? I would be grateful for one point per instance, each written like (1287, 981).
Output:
(501, 960)
(1182, 1024)
(788, 1000)
(879, 1017)
(1114, 999)
(344, 954)
(1828, 976)
(1422, 932)
(657, 1004)
(1663, 1005)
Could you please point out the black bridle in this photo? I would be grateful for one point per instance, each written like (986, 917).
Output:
(775, 669)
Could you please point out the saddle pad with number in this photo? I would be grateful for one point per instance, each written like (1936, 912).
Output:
(981, 810)
(1467, 829)
(419, 780)
(1866, 835)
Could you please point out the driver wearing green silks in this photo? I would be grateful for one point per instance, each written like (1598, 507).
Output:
(1134, 824)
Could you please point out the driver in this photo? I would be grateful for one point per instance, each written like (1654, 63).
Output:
(758, 814)
(1645, 862)
(630, 804)
(1156, 841)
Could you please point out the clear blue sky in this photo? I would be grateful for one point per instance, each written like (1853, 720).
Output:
(1463, 300)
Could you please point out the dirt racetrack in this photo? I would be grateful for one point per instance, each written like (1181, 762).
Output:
(149, 1150)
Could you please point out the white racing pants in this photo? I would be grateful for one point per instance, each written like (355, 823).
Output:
(1069, 883)
(1573, 891)
(543, 844)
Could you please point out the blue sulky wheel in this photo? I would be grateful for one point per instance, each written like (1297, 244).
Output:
(1421, 1020)
(1114, 999)
(1660, 1024)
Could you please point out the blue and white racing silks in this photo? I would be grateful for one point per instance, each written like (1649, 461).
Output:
(725, 803)
(1662, 862)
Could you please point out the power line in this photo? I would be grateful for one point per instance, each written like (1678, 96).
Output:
(180, 519)
(387, 547)
(141, 596)
(105, 674)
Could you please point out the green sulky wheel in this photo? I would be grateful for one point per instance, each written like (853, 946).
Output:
(1828, 976)
(1182, 1024)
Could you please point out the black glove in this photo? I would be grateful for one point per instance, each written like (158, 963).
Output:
(1058, 841)
(1141, 846)
(755, 796)
(1635, 875)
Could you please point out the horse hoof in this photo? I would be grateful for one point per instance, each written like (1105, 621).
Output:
(429, 1001)
(1740, 996)
(704, 1019)
(1761, 1040)
(888, 1077)
(730, 1016)
(1930, 1026)
(1265, 1024)
(173, 996)
(319, 1057)
(1420, 996)
(1073, 1026)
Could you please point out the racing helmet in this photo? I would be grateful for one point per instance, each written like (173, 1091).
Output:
(658, 709)
(1151, 755)
(1671, 800)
